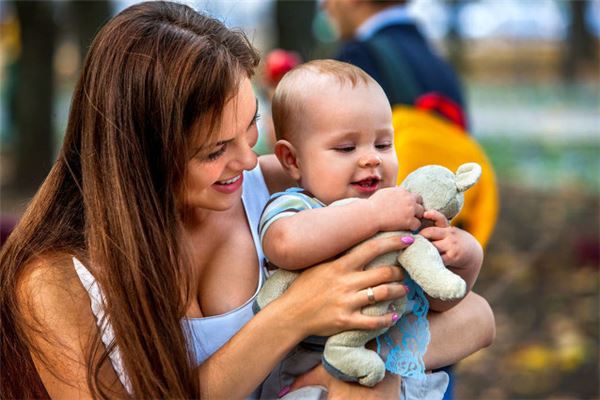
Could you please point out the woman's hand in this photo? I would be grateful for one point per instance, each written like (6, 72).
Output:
(388, 388)
(328, 298)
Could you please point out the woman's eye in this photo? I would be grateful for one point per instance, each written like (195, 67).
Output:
(215, 155)
(345, 149)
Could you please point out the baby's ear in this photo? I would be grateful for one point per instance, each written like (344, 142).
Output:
(287, 156)
(467, 175)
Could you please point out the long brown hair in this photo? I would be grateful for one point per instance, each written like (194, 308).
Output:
(154, 72)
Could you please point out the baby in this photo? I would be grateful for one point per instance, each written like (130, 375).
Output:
(335, 138)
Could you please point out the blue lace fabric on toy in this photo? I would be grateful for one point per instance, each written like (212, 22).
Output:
(404, 344)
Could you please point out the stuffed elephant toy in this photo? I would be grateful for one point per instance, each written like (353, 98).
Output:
(345, 355)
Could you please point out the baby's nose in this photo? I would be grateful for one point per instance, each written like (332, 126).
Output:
(369, 161)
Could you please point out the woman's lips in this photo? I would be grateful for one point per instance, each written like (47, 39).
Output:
(229, 185)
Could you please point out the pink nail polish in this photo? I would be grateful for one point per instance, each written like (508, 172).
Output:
(406, 288)
(407, 240)
(395, 317)
(283, 391)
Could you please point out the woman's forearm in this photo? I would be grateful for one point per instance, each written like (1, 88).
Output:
(459, 331)
(323, 300)
(239, 367)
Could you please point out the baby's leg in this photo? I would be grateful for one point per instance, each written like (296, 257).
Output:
(297, 362)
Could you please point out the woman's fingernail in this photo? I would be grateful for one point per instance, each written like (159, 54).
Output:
(407, 240)
(406, 288)
(395, 317)
(283, 391)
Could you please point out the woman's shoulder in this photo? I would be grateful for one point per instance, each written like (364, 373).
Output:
(276, 178)
(49, 288)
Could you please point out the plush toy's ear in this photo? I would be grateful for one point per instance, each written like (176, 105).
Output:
(286, 154)
(467, 175)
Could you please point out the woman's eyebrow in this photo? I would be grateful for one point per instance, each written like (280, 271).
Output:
(219, 143)
(222, 142)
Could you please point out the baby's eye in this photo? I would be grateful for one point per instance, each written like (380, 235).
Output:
(383, 146)
(345, 148)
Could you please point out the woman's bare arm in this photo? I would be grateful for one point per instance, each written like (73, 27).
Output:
(60, 323)
(460, 331)
(323, 301)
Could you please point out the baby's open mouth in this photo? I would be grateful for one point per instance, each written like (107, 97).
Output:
(367, 183)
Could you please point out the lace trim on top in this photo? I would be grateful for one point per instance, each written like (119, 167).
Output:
(403, 346)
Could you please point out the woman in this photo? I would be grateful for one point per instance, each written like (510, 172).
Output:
(141, 229)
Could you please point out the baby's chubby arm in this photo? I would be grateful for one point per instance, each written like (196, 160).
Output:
(460, 251)
(315, 235)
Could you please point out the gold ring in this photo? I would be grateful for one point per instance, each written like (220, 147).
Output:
(370, 295)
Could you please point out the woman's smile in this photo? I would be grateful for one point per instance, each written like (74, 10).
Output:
(229, 185)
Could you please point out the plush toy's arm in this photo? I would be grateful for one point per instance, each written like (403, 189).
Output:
(461, 253)
(316, 235)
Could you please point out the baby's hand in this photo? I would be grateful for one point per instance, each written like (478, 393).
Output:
(457, 247)
(396, 208)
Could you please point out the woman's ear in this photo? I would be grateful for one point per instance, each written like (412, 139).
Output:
(287, 155)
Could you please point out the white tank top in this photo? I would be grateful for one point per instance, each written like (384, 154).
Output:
(204, 335)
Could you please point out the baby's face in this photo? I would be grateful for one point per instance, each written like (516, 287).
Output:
(346, 147)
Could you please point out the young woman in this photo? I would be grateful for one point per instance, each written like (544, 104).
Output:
(133, 270)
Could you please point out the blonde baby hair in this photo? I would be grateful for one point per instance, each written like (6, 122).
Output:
(293, 89)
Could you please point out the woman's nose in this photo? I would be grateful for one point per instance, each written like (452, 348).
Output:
(369, 161)
(246, 158)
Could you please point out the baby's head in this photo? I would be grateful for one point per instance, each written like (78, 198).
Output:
(334, 129)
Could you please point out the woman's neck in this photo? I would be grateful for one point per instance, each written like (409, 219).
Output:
(196, 219)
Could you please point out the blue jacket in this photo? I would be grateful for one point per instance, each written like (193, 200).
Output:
(430, 72)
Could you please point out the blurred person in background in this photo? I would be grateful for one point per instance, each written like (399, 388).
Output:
(360, 22)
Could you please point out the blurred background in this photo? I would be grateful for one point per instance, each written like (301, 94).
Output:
(531, 73)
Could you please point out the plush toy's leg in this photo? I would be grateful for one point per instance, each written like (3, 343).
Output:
(352, 362)
(346, 358)
(425, 266)
(273, 288)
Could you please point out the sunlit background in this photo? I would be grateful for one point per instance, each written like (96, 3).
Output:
(531, 73)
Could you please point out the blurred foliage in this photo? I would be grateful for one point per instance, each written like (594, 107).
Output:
(546, 164)
(541, 276)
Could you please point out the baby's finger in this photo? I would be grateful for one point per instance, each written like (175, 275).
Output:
(437, 217)
(414, 223)
(434, 233)
(366, 251)
(419, 211)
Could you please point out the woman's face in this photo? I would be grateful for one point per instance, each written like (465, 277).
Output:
(213, 178)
